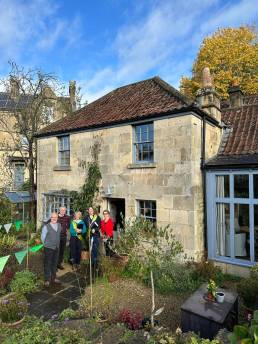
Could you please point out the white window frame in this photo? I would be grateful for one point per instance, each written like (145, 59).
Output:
(211, 202)
(58, 200)
(62, 150)
(142, 142)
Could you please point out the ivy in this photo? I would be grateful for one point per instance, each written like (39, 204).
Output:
(86, 196)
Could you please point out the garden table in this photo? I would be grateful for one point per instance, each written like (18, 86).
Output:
(205, 317)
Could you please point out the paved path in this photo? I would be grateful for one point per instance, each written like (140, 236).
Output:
(56, 298)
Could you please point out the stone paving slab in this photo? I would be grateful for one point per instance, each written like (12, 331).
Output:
(54, 299)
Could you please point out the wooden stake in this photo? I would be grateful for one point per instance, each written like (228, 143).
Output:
(153, 299)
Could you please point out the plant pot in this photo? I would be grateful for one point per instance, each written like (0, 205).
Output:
(220, 297)
(14, 324)
(37, 241)
(209, 297)
(85, 255)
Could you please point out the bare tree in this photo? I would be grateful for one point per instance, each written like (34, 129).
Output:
(28, 109)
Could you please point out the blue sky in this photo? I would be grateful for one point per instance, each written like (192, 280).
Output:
(104, 44)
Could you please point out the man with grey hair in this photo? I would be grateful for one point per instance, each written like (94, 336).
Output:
(50, 237)
(64, 221)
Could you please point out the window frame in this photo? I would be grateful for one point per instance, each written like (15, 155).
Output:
(136, 142)
(15, 164)
(62, 150)
(48, 208)
(211, 203)
(151, 218)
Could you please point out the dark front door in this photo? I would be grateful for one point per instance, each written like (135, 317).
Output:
(117, 211)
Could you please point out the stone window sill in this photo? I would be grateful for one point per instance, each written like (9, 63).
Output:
(62, 168)
(142, 165)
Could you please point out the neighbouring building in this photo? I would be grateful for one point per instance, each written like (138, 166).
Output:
(163, 157)
(12, 160)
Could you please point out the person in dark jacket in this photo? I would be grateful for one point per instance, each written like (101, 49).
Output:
(77, 231)
(50, 237)
(64, 221)
(92, 222)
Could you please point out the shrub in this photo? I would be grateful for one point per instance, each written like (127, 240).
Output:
(254, 272)
(248, 289)
(245, 333)
(68, 313)
(132, 320)
(13, 307)
(171, 277)
(206, 270)
(37, 331)
(23, 282)
(7, 243)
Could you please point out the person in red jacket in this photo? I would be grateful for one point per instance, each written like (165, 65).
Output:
(107, 227)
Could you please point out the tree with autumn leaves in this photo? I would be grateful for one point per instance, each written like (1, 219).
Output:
(232, 56)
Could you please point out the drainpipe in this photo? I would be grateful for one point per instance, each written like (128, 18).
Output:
(203, 158)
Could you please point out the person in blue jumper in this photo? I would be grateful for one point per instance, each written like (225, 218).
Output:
(78, 232)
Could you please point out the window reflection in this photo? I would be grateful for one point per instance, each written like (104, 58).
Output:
(241, 185)
(255, 185)
(242, 231)
(223, 229)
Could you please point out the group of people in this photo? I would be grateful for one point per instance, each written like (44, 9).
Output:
(85, 234)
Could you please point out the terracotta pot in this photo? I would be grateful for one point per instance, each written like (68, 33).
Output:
(85, 255)
(37, 241)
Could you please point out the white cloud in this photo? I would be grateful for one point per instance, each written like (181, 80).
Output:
(27, 26)
(165, 40)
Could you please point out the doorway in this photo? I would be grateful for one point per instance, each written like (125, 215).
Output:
(117, 212)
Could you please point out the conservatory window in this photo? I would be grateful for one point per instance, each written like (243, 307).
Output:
(232, 214)
(52, 203)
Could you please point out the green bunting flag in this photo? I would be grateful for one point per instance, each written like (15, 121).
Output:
(18, 225)
(20, 255)
(3, 261)
(36, 248)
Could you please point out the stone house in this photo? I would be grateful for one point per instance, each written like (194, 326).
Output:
(160, 156)
(13, 160)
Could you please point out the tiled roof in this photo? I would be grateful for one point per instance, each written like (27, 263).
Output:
(239, 143)
(132, 102)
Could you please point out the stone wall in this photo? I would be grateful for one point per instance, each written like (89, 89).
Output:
(174, 181)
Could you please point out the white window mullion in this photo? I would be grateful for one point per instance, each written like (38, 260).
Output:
(251, 217)
(232, 216)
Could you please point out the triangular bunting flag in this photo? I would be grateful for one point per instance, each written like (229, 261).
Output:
(3, 261)
(7, 227)
(18, 225)
(20, 255)
(36, 248)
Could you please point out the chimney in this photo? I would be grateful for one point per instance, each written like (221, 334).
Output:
(207, 98)
(72, 94)
(236, 96)
(14, 87)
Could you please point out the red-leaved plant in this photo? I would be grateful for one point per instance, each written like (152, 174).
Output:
(6, 277)
(132, 320)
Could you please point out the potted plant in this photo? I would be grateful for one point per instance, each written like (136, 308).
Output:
(220, 296)
(211, 288)
(13, 308)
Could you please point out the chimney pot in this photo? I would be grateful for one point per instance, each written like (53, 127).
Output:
(207, 97)
(236, 96)
(14, 87)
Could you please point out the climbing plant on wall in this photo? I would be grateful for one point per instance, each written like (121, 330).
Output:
(86, 196)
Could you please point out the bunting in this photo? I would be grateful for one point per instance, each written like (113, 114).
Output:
(7, 227)
(21, 255)
(3, 261)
